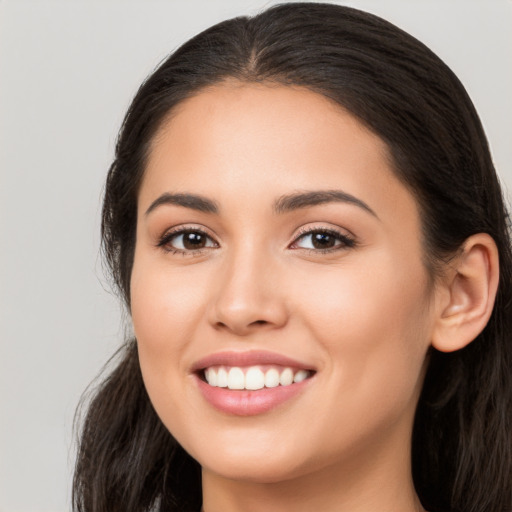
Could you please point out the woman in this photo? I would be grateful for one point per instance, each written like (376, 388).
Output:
(305, 224)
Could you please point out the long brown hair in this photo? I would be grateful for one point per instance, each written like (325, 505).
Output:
(462, 446)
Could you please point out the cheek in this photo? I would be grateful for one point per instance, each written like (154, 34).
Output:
(377, 292)
(165, 305)
(166, 308)
(374, 324)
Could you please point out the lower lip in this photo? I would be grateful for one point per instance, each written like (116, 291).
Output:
(249, 403)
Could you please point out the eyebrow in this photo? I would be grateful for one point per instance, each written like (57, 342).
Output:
(284, 204)
(300, 200)
(193, 201)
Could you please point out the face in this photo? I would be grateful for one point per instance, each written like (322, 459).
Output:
(278, 255)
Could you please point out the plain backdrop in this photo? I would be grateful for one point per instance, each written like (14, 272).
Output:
(68, 70)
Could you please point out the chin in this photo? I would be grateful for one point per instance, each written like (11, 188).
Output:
(258, 470)
(252, 462)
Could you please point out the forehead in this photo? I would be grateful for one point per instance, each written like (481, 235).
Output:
(257, 141)
(265, 112)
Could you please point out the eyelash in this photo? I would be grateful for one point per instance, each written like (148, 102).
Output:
(165, 240)
(347, 242)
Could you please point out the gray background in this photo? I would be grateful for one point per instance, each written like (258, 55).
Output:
(68, 70)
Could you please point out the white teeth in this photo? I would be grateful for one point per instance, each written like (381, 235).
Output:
(236, 378)
(222, 378)
(253, 378)
(272, 378)
(286, 377)
(211, 376)
(299, 376)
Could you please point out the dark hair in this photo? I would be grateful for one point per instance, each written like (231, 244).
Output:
(462, 446)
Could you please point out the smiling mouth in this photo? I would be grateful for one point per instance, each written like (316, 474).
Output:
(253, 377)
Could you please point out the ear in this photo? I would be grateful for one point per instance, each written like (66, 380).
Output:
(467, 294)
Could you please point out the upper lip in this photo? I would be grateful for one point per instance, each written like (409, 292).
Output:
(247, 358)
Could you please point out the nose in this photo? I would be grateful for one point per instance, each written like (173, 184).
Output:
(248, 295)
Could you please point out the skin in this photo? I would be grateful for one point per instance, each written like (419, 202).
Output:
(363, 316)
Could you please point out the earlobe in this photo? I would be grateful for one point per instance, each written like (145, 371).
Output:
(470, 290)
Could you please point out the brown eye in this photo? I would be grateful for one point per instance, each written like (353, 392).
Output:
(320, 239)
(188, 240)
(193, 240)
